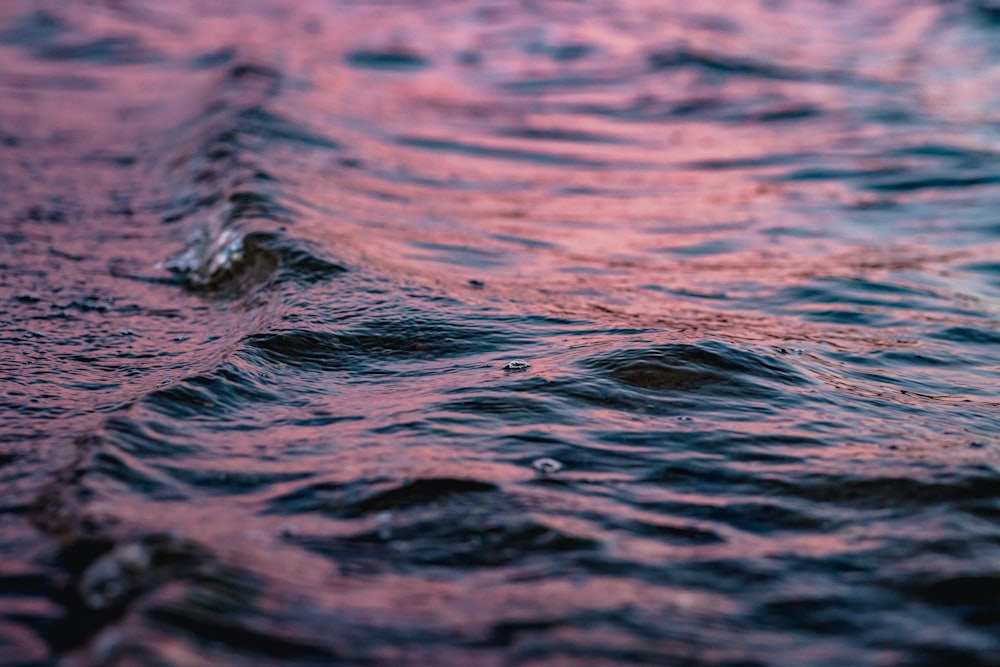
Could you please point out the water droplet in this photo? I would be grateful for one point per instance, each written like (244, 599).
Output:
(383, 520)
(547, 466)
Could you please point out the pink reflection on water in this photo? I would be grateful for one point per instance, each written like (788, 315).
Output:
(505, 181)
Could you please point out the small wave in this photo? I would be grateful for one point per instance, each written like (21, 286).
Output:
(712, 369)
(239, 210)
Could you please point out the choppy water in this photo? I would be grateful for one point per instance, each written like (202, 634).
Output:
(263, 265)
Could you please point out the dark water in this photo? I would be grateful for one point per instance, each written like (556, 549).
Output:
(263, 265)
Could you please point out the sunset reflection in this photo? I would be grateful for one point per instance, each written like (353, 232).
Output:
(489, 333)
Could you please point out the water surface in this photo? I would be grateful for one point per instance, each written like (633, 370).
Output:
(263, 266)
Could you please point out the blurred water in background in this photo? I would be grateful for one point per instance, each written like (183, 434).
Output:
(263, 265)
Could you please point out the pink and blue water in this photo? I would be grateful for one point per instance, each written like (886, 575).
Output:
(263, 265)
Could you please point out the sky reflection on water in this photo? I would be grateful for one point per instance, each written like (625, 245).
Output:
(263, 265)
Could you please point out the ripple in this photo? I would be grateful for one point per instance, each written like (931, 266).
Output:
(710, 369)
(373, 344)
(390, 60)
(504, 153)
(748, 252)
(377, 498)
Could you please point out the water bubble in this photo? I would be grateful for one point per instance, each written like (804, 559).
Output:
(516, 365)
(547, 466)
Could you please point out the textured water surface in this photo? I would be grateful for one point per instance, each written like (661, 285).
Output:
(482, 333)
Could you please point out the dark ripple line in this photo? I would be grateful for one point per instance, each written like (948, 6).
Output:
(936, 183)
(681, 57)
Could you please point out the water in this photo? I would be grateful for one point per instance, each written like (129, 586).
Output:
(268, 268)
